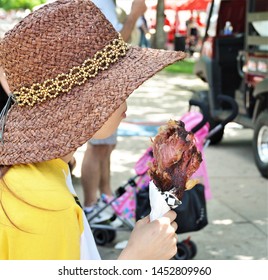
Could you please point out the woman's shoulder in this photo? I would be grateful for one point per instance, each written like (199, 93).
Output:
(40, 184)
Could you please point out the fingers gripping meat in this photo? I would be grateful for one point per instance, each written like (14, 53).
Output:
(176, 158)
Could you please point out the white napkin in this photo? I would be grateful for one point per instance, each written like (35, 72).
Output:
(161, 202)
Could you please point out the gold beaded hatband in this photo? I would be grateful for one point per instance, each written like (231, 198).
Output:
(78, 75)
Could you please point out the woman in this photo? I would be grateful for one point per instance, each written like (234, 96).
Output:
(70, 74)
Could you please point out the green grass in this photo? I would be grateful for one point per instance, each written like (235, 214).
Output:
(185, 66)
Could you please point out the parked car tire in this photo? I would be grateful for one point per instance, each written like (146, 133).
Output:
(260, 143)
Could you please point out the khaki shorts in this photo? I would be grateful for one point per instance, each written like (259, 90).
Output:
(111, 140)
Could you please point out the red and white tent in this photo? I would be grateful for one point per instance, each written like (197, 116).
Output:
(181, 5)
(197, 5)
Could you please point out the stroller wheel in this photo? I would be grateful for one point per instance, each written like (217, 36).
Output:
(192, 246)
(111, 234)
(183, 251)
(101, 236)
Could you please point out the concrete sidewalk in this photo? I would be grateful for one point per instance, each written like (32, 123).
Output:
(238, 210)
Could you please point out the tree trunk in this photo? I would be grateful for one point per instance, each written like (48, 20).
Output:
(160, 35)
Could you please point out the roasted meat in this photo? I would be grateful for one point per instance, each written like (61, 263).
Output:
(176, 158)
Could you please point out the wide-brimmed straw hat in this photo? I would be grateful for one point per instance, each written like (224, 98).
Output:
(68, 70)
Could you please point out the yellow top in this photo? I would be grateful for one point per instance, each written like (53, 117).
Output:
(39, 218)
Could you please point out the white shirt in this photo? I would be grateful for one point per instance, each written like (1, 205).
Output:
(108, 9)
(88, 248)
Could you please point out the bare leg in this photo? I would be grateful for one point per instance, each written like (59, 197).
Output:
(90, 175)
(105, 186)
(95, 173)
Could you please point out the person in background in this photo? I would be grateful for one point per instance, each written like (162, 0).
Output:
(144, 33)
(192, 35)
(95, 171)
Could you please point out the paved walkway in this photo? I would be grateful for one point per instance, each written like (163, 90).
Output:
(238, 210)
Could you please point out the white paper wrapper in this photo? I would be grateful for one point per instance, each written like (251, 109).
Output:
(161, 202)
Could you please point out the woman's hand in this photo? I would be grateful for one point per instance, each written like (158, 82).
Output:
(155, 240)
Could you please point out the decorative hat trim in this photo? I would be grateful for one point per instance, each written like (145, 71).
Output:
(78, 75)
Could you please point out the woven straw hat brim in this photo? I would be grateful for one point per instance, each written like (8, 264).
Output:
(56, 127)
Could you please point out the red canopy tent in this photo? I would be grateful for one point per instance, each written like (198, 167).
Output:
(197, 5)
(181, 5)
(169, 4)
(175, 7)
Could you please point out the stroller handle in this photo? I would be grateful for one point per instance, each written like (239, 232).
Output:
(202, 106)
(234, 108)
(234, 111)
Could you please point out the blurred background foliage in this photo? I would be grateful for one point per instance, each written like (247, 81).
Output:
(185, 66)
(20, 4)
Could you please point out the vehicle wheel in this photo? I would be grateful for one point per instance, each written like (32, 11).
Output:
(260, 143)
(192, 247)
(111, 234)
(101, 236)
(183, 251)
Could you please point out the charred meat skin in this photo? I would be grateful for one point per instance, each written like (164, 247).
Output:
(176, 158)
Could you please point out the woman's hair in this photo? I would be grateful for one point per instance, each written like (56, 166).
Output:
(3, 170)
